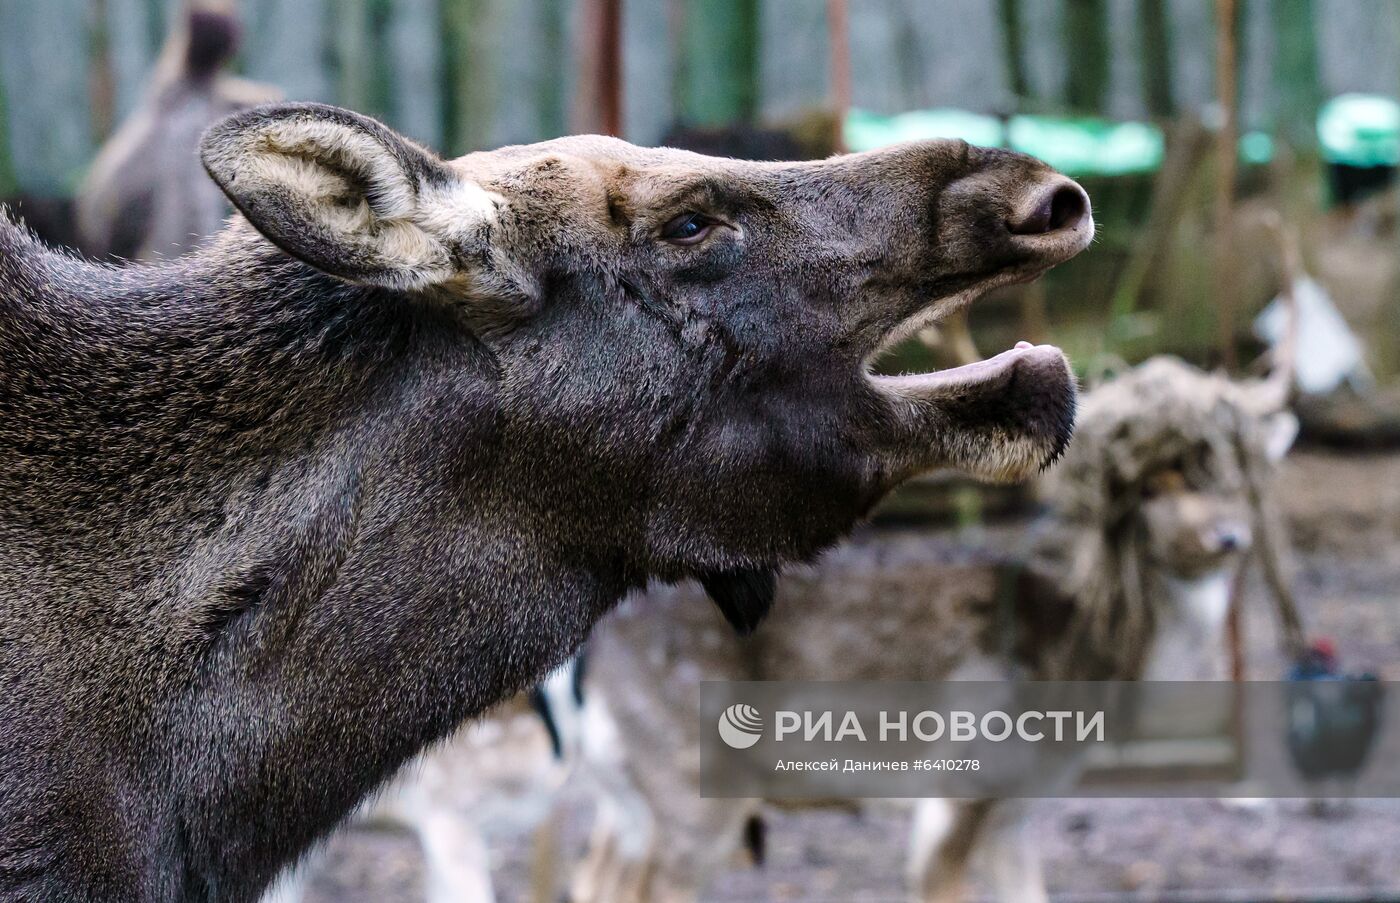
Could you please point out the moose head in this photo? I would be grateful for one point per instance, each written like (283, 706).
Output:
(683, 343)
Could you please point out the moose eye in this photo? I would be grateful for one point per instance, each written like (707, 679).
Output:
(687, 229)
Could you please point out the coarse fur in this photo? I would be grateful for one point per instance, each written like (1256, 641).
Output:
(278, 513)
(494, 781)
(1124, 578)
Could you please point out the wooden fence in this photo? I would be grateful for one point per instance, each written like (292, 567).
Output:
(465, 74)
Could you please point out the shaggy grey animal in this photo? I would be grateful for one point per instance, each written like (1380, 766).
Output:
(147, 196)
(279, 513)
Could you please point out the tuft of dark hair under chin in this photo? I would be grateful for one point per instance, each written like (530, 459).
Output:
(744, 596)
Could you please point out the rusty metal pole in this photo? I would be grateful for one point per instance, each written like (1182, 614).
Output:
(610, 67)
(1227, 151)
(1227, 155)
(599, 105)
(838, 35)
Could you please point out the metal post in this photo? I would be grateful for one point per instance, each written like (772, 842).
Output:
(1227, 143)
(599, 106)
(838, 33)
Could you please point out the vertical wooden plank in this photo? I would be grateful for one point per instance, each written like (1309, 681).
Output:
(1297, 86)
(648, 63)
(1227, 159)
(1356, 45)
(1155, 53)
(130, 51)
(1123, 98)
(792, 64)
(719, 62)
(101, 80)
(381, 87)
(471, 44)
(879, 78)
(531, 84)
(941, 66)
(598, 97)
(1086, 43)
(916, 55)
(838, 24)
(455, 26)
(43, 48)
(354, 70)
(287, 44)
(8, 184)
(553, 65)
(464, 74)
(1013, 50)
(1045, 53)
(415, 55)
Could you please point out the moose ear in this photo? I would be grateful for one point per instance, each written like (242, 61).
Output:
(348, 195)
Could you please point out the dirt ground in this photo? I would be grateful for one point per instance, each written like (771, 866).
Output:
(1344, 512)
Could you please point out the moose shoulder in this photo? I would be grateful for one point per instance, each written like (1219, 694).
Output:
(277, 514)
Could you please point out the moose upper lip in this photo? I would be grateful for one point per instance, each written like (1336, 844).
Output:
(1049, 249)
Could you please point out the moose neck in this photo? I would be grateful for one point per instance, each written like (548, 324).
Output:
(269, 497)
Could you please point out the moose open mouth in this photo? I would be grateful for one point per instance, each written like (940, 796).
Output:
(1008, 416)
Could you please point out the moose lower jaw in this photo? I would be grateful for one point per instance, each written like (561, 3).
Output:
(1002, 419)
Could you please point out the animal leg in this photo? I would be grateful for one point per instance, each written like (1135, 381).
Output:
(457, 859)
(946, 834)
(1012, 857)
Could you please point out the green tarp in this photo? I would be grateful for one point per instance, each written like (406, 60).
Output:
(1360, 130)
(1078, 146)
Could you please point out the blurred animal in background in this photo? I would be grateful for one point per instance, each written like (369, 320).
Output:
(147, 195)
(1128, 576)
(495, 780)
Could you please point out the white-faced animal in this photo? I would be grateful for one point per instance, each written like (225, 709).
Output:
(1127, 577)
(279, 513)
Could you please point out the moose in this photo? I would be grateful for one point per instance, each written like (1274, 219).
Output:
(277, 514)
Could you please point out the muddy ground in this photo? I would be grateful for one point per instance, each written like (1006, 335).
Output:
(1344, 512)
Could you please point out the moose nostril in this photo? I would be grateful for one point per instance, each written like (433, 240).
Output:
(1066, 207)
(1061, 207)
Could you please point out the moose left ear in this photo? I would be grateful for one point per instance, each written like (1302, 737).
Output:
(348, 195)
